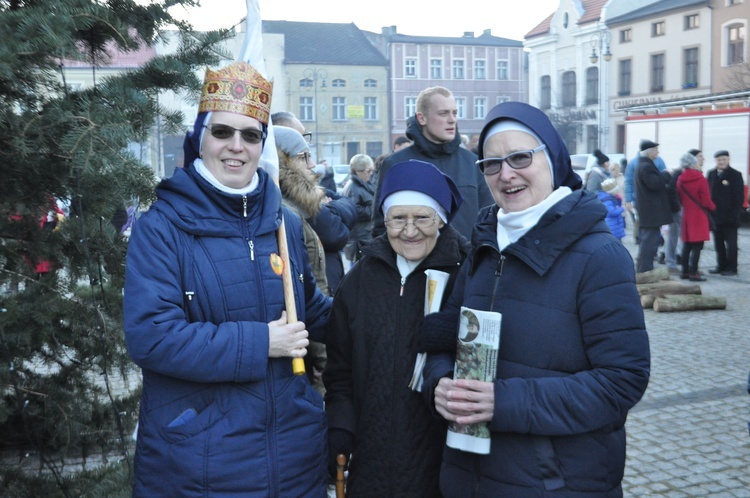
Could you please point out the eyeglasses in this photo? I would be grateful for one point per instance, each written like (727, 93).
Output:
(518, 160)
(370, 170)
(307, 136)
(399, 222)
(305, 156)
(226, 132)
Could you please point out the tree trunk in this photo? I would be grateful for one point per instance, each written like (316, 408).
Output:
(668, 287)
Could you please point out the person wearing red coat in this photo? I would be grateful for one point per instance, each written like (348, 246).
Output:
(692, 189)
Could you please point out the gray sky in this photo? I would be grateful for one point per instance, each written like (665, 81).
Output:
(508, 19)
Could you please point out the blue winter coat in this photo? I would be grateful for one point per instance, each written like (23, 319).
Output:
(614, 219)
(218, 417)
(573, 358)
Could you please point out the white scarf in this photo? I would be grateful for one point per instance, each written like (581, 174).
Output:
(210, 178)
(513, 226)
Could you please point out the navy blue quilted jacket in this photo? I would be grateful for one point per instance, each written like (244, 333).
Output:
(217, 416)
(573, 359)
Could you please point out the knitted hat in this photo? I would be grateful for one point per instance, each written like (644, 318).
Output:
(609, 185)
(720, 153)
(648, 144)
(688, 161)
(601, 157)
(424, 177)
(290, 140)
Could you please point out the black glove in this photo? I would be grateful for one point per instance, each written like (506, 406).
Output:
(339, 441)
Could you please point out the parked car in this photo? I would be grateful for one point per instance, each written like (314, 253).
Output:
(340, 174)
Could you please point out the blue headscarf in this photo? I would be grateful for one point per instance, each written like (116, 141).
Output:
(539, 123)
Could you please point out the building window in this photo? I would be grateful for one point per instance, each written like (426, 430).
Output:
(373, 149)
(461, 107)
(371, 108)
(626, 35)
(735, 2)
(436, 69)
(691, 68)
(306, 83)
(569, 89)
(502, 99)
(657, 28)
(338, 83)
(692, 21)
(545, 93)
(306, 109)
(502, 70)
(592, 85)
(657, 73)
(625, 77)
(410, 68)
(339, 109)
(480, 107)
(736, 44)
(410, 106)
(458, 70)
(371, 83)
(479, 73)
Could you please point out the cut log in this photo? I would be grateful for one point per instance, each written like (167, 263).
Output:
(651, 276)
(668, 287)
(674, 302)
(647, 301)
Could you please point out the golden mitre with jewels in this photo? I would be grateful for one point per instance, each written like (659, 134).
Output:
(237, 88)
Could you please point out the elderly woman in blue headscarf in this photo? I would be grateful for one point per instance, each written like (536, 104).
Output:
(394, 442)
(222, 413)
(574, 353)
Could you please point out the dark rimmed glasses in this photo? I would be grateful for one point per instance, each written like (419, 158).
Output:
(305, 156)
(307, 136)
(518, 160)
(226, 132)
(400, 222)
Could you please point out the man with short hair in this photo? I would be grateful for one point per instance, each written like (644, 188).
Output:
(728, 193)
(434, 133)
(401, 142)
(652, 204)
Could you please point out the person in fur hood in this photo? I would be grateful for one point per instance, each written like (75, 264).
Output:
(301, 193)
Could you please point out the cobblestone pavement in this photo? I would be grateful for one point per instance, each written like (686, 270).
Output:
(689, 434)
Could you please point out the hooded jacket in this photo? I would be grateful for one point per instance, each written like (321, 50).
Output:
(573, 356)
(371, 353)
(453, 160)
(219, 417)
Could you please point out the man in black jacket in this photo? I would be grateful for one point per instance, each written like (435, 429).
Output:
(652, 203)
(728, 193)
(434, 133)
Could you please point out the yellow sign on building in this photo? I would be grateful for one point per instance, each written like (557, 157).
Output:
(355, 111)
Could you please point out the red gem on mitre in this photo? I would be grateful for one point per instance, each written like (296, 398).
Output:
(263, 98)
(239, 90)
(212, 87)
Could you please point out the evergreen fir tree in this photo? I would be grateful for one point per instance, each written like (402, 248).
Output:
(61, 338)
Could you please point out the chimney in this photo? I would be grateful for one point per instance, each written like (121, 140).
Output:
(487, 32)
(388, 30)
(468, 34)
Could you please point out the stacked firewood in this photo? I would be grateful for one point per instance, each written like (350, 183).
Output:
(660, 293)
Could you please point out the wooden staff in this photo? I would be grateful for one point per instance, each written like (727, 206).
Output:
(252, 53)
(340, 480)
(298, 364)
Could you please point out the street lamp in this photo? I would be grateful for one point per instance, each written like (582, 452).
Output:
(315, 74)
(601, 40)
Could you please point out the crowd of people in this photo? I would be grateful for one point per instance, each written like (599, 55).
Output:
(216, 328)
